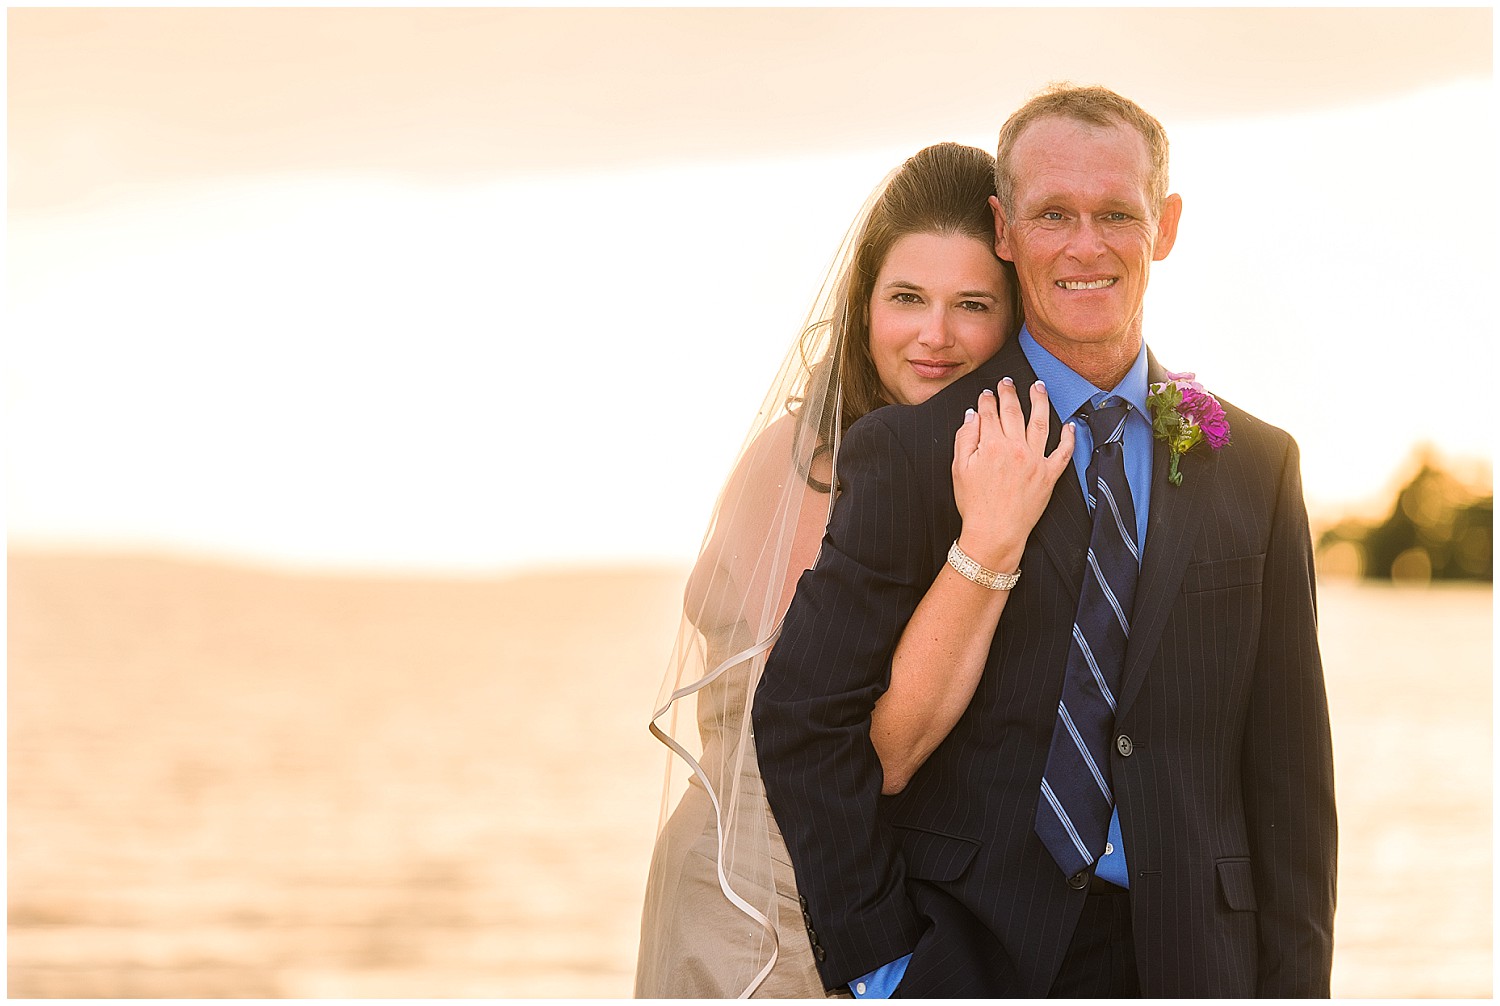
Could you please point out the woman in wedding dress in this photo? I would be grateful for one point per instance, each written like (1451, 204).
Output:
(915, 299)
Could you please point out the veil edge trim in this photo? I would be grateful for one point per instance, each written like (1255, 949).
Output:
(667, 739)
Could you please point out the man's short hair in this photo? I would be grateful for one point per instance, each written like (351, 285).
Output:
(1097, 106)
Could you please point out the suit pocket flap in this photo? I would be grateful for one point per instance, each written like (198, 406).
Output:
(1221, 574)
(1237, 884)
(931, 855)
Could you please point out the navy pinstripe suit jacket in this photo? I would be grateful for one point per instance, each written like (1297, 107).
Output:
(1225, 791)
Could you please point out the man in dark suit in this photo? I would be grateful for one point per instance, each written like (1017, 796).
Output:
(1139, 796)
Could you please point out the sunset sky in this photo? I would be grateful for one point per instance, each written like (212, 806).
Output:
(477, 289)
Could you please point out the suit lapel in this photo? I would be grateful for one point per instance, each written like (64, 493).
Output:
(1063, 529)
(1176, 514)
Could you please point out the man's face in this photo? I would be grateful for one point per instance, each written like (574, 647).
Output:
(1084, 235)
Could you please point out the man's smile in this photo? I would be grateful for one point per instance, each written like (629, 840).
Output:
(1091, 284)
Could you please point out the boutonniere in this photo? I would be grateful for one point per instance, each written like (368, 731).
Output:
(1183, 415)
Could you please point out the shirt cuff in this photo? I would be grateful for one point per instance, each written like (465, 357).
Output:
(880, 983)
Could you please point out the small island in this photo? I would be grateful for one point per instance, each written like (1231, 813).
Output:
(1439, 528)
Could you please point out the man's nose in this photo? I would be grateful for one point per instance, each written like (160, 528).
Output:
(1087, 239)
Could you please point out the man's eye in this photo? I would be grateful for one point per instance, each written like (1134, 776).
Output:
(1052, 215)
(1117, 217)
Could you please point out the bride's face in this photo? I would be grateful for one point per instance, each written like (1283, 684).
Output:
(939, 309)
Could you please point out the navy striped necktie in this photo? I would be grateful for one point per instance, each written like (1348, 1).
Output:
(1074, 808)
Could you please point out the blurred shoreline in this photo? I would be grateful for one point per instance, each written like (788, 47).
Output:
(231, 782)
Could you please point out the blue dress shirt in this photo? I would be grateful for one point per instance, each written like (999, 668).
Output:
(1068, 393)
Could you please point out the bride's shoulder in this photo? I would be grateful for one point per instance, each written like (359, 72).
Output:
(785, 445)
(766, 496)
(776, 440)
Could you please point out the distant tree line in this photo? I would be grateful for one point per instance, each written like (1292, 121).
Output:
(1438, 529)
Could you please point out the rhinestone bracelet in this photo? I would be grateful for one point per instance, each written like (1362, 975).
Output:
(971, 570)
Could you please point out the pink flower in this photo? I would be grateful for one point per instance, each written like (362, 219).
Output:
(1205, 410)
(1185, 380)
(1217, 433)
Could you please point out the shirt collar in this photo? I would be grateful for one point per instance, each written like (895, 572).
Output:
(1069, 392)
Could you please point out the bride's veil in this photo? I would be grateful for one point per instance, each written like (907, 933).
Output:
(732, 611)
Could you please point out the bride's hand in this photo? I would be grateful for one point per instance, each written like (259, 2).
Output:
(1002, 477)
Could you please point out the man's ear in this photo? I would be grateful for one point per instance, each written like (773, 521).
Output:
(1166, 227)
(1002, 232)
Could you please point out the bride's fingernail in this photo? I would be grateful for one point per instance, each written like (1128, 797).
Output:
(1007, 382)
(969, 415)
(1039, 384)
(986, 391)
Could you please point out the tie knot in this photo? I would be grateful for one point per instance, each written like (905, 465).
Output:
(1106, 420)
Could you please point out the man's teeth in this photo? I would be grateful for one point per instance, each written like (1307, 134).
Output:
(1093, 284)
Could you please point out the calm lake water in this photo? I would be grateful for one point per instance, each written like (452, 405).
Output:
(234, 783)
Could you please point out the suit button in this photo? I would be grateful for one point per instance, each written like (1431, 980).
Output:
(812, 936)
(819, 953)
(802, 901)
(1124, 745)
(1079, 880)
